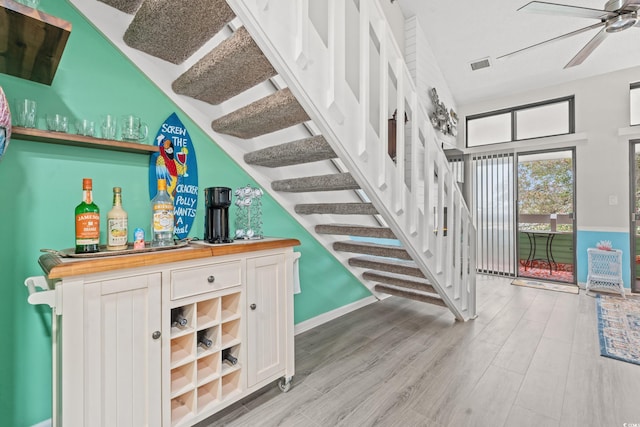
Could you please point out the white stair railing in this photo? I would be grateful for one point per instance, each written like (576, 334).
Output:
(341, 61)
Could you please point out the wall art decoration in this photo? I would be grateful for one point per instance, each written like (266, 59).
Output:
(5, 123)
(441, 119)
(176, 162)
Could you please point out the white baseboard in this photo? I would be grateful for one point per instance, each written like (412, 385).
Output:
(45, 423)
(333, 314)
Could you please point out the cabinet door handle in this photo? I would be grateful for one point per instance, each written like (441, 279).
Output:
(211, 279)
(252, 306)
(156, 335)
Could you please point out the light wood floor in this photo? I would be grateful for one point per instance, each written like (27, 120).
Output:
(531, 358)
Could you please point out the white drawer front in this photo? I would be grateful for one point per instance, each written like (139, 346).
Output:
(198, 280)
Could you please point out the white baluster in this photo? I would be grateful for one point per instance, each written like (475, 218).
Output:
(302, 38)
(336, 27)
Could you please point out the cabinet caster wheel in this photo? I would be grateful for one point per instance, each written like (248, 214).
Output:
(284, 384)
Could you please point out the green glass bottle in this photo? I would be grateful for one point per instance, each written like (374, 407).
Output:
(87, 221)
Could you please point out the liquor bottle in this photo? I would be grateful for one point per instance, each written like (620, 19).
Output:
(177, 318)
(87, 221)
(228, 357)
(117, 223)
(162, 217)
(203, 341)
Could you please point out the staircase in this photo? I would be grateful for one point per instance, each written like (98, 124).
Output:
(282, 96)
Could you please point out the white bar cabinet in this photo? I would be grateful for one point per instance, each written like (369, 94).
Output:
(120, 357)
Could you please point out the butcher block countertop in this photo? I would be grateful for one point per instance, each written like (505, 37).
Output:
(56, 267)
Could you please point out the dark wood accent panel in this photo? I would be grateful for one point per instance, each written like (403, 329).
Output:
(31, 42)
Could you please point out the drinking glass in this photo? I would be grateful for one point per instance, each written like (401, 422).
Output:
(133, 129)
(109, 126)
(26, 113)
(85, 127)
(57, 122)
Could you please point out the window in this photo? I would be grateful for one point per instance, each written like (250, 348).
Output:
(547, 118)
(489, 130)
(634, 107)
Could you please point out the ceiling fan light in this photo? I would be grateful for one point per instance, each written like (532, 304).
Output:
(621, 22)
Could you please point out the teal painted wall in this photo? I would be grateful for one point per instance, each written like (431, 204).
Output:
(589, 239)
(40, 184)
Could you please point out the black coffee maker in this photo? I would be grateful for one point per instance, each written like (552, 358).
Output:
(216, 218)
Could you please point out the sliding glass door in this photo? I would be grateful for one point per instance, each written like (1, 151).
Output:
(524, 214)
(546, 240)
(635, 215)
(493, 202)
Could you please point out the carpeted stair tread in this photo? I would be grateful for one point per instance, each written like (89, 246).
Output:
(355, 230)
(173, 30)
(408, 268)
(234, 66)
(306, 150)
(331, 182)
(411, 294)
(126, 6)
(375, 249)
(400, 281)
(336, 209)
(277, 111)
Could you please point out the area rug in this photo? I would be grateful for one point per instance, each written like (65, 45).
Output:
(619, 327)
(546, 286)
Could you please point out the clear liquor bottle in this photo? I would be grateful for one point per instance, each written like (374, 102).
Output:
(162, 214)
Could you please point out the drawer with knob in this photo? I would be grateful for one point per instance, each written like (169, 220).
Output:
(199, 280)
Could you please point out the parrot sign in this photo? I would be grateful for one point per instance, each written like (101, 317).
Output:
(176, 162)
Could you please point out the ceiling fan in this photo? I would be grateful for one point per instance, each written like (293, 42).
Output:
(617, 15)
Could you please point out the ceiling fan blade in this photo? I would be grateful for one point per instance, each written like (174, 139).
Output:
(566, 10)
(622, 5)
(564, 36)
(588, 49)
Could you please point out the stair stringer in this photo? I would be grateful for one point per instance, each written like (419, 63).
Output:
(315, 70)
(113, 23)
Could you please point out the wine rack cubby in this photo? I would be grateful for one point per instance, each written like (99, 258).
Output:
(208, 395)
(182, 350)
(230, 333)
(227, 366)
(208, 341)
(209, 313)
(231, 383)
(186, 314)
(230, 307)
(182, 379)
(208, 368)
(182, 407)
(200, 378)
